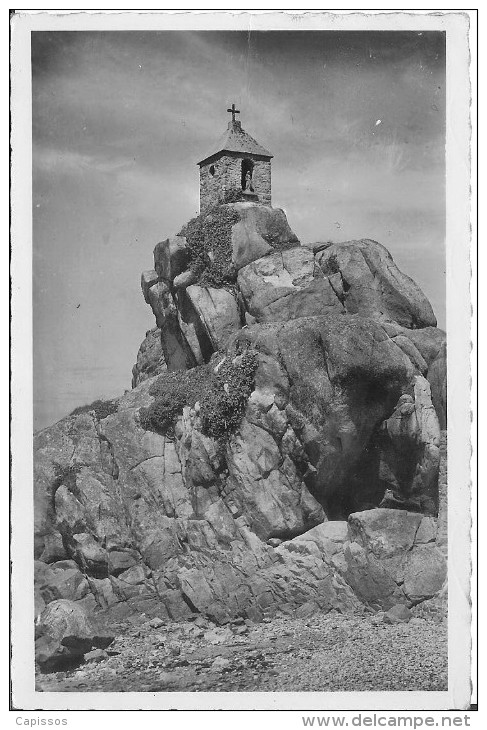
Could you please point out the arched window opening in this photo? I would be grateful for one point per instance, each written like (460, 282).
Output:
(247, 171)
(212, 170)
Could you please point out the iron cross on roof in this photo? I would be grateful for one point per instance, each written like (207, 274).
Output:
(233, 111)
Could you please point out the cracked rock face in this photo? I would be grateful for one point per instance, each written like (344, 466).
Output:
(344, 416)
(169, 526)
(150, 358)
(294, 281)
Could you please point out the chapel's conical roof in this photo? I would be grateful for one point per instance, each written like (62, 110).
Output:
(235, 139)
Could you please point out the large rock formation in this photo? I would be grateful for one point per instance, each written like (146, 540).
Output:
(64, 634)
(296, 461)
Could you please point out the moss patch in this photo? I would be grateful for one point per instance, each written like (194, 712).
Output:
(65, 474)
(102, 409)
(171, 392)
(209, 239)
(223, 403)
(222, 396)
(233, 195)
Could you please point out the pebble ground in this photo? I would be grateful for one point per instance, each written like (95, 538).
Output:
(322, 652)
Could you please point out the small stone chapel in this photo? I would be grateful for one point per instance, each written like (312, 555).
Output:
(237, 162)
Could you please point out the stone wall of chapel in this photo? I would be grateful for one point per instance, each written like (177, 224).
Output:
(261, 180)
(228, 175)
(212, 186)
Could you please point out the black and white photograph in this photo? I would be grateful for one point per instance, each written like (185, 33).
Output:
(247, 251)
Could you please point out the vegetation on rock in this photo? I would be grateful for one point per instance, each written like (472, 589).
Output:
(65, 474)
(209, 239)
(222, 396)
(233, 195)
(341, 426)
(102, 409)
(172, 391)
(224, 400)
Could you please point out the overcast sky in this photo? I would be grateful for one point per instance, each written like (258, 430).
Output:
(355, 122)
